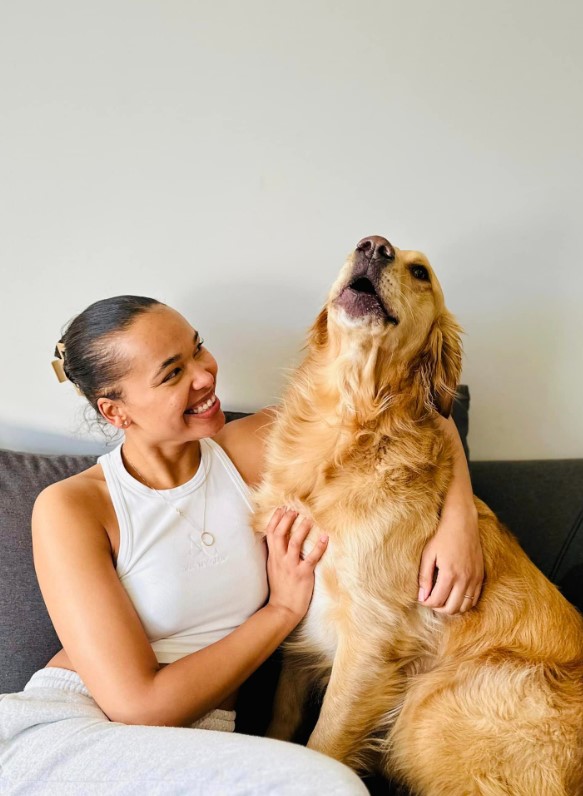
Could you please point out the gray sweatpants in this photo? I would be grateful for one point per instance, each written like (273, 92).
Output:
(55, 740)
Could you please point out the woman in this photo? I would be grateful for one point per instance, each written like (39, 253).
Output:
(161, 596)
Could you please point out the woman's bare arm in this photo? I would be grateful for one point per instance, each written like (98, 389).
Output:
(103, 636)
(454, 553)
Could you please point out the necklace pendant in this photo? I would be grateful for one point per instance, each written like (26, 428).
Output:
(207, 539)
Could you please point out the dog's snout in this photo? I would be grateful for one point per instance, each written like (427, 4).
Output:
(376, 248)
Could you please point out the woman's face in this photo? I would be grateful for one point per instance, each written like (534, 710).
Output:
(168, 392)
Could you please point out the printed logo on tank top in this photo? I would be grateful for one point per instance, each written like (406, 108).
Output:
(201, 557)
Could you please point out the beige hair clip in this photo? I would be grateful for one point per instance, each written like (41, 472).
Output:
(59, 365)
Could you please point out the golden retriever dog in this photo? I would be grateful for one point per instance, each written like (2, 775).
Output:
(485, 702)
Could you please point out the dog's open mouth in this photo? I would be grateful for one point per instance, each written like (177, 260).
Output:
(359, 298)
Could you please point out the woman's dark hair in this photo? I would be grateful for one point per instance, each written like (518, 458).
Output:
(89, 360)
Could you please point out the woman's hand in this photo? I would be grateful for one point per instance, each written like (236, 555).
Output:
(291, 576)
(453, 559)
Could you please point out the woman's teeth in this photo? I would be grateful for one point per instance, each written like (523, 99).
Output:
(197, 410)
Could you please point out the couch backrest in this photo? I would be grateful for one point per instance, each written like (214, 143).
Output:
(27, 637)
(541, 502)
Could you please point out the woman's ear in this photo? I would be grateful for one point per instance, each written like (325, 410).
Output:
(440, 364)
(111, 412)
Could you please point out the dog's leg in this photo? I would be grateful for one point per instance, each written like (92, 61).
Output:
(290, 698)
(361, 697)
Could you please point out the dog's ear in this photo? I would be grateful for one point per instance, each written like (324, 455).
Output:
(440, 366)
(318, 333)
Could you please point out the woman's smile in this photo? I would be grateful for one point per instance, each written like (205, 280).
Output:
(207, 408)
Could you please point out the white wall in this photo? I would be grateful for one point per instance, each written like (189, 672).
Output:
(225, 156)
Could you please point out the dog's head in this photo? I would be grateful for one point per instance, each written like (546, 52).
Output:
(386, 326)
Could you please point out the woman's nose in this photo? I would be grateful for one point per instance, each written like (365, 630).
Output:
(201, 377)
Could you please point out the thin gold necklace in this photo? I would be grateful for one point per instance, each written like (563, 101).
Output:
(206, 537)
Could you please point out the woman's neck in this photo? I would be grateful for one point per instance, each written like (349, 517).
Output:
(161, 467)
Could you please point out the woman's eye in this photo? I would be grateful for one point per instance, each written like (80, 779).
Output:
(174, 372)
(199, 345)
(420, 272)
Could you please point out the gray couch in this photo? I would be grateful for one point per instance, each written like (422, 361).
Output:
(540, 501)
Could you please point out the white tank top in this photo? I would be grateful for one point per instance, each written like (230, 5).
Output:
(187, 594)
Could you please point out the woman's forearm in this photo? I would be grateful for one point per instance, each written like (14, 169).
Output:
(183, 691)
(460, 495)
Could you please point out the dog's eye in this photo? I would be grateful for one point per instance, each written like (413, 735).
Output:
(420, 272)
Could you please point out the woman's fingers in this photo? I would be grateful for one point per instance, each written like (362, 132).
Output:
(299, 536)
(283, 534)
(317, 551)
(426, 573)
(279, 528)
(452, 596)
(275, 518)
(456, 602)
(475, 590)
(440, 591)
(284, 539)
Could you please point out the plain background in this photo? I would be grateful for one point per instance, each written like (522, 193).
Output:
(225, 156)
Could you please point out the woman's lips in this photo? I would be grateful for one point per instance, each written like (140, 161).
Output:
(209, 412)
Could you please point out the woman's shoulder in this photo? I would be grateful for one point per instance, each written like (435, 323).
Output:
(84, 493)
(244, 441)
(81, 484)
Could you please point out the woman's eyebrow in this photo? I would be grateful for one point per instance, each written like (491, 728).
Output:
(175, 358)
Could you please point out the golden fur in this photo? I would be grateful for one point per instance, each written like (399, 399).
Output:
(487, 702)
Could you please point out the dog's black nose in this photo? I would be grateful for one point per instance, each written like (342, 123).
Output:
(376, 248)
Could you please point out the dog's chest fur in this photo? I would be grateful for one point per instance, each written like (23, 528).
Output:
(371, 501)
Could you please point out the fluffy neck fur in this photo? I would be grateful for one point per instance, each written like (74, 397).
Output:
(339, 399)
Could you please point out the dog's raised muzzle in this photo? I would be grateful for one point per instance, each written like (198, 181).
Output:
(375, 248)
(361, 297)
